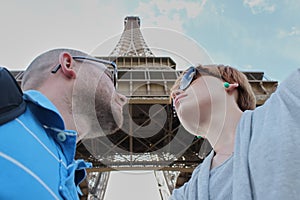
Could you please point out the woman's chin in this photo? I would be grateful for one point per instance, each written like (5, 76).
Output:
(192, 128)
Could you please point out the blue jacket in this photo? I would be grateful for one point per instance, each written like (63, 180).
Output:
(37, 154)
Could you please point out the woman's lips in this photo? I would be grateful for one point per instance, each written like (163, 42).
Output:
(176, 100)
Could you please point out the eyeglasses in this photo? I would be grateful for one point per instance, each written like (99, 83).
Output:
(106, 62)
(190, 75)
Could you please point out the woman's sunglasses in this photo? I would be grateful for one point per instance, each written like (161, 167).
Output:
(190, 75)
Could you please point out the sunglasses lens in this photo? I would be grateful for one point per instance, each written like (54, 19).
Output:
(187, 78)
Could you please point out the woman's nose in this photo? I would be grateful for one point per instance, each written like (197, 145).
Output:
(176, 93)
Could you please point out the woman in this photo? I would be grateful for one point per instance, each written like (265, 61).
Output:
(254, 151)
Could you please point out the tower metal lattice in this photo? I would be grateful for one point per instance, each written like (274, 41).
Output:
(132, 42)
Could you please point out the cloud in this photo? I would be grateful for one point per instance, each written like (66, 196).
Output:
(260, 6)
(169, 14)
(294, 31)
(192, 9)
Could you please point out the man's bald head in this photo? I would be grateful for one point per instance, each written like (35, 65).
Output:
(86, 99)
(40, 68)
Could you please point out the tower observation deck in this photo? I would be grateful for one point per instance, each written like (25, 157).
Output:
(151, 137)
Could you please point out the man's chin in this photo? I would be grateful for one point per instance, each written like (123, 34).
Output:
(116, 126)
(101, 130)
(112, 131)
(112, 126)
(118, 121)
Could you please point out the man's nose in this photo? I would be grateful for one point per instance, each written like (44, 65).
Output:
(121, 99)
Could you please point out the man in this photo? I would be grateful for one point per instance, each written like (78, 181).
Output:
(65, 90)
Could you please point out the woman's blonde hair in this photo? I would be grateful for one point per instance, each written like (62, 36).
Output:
(246, 98)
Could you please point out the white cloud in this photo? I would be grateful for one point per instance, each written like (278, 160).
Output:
(169, 14)
(294, 31)
(260, 6)
(192, 9)
(253, 3)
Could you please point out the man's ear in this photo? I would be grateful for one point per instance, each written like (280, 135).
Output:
(67, 62)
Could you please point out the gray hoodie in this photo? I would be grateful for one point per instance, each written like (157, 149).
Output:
(265, 164)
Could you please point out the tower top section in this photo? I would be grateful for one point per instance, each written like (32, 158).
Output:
(132, 19)
(132, 43)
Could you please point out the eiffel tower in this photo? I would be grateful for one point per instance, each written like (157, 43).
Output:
(152, 137)
(147, 143)
(170, 151)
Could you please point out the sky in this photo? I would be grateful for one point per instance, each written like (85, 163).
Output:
(251, 35)
(129, 185)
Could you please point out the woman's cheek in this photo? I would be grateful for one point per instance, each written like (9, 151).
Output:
(190, 119)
